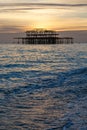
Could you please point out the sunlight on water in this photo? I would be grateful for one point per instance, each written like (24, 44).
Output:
(43, 87)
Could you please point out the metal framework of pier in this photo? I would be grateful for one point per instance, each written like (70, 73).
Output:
(41, 36)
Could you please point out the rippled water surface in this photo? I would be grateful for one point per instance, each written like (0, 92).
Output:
(43, 87)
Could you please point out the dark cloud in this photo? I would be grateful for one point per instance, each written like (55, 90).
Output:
(18, 9)
(11, 28)
(72, 28)
(6, 7)
(41, 4)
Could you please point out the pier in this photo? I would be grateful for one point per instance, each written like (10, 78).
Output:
(40, 36)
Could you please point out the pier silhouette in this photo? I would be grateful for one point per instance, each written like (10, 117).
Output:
(41, 36)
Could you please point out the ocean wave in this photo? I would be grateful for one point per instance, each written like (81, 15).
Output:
(71, 78)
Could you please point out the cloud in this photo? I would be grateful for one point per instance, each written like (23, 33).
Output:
(11, 28)
(72, 28)
(20, 7)
(55, 15)
(41, 5)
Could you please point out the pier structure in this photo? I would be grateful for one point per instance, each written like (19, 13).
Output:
(40, 36)
(64, 40)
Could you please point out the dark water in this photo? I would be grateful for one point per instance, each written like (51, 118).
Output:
(43, 87)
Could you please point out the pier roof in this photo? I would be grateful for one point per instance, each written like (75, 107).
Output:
(41, 31)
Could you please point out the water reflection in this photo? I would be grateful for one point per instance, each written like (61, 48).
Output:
(43, 87)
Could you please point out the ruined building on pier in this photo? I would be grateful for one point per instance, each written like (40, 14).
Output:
(40, 36)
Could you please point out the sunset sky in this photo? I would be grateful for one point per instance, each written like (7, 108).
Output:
(16, 16)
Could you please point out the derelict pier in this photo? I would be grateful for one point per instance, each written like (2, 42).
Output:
(40, 36)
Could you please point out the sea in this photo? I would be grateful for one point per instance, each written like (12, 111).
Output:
(43, 87)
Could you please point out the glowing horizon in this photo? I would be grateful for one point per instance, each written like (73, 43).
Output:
(24, 15)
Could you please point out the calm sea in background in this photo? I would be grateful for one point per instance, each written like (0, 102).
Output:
(43, 87)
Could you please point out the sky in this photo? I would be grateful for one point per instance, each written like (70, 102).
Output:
(61, 15)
